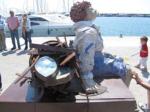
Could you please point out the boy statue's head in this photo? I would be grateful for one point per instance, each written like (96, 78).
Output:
(82, 11)
(144, 40)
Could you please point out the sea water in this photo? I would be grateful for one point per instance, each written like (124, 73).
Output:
(127, 26)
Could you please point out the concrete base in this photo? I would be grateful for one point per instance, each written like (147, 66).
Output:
(118, 98)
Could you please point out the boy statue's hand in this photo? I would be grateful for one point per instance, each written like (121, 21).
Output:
(137, 78)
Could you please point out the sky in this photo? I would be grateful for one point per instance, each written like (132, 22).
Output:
(102, 6)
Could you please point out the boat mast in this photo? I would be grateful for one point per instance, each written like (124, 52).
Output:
(68, 6)
(40, 6)
(44, 6)
(64, 6)
(37, 6)
(27, 5)
(33, 5)
(2, 7)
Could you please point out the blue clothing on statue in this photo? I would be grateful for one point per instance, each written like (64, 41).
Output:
(108, 65)
(89, 46)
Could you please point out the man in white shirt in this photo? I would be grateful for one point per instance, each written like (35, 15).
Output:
(2, 35)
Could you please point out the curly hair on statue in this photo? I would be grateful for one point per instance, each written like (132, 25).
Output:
(78, 11)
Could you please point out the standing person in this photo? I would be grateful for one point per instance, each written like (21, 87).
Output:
(143, 54)
(146, 85)
(26, 31)
(13, 25)
(2, 34)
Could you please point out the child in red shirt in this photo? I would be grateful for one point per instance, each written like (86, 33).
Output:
(143, 54)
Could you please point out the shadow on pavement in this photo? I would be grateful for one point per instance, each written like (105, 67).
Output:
(22, 52)
(8, 53)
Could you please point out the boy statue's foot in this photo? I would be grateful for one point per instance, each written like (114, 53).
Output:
(91, 87)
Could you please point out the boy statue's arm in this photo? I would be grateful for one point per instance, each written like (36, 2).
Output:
(141, 82)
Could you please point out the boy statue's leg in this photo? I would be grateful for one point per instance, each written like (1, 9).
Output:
(127, 79)
(131, 71)
(90, 85)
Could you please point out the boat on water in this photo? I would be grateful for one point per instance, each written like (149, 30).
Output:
(47, 25)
